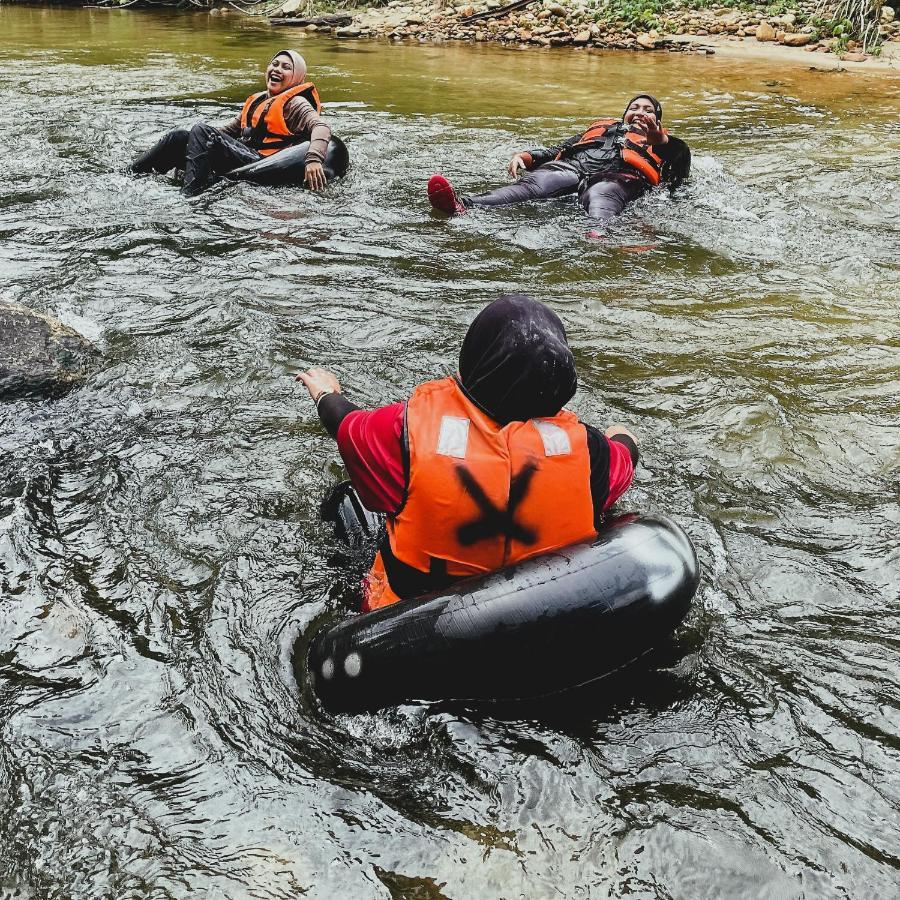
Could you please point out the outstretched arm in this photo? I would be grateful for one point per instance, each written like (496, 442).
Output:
(301, 118)
(613, 455)
(325, 391)
(369, 441)
(531, 159)
(671, 150)
(622, 435)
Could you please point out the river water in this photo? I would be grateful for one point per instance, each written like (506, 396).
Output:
(159, 542)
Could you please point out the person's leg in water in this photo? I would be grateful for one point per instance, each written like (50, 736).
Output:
(210, 154)
(167, 153)
(551, 180)
(605, 199)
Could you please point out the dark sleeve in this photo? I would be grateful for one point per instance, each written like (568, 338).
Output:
(612, 469)
(332, 410)
(598, 450)
(676, 157)
(545, 154)
(632, 447)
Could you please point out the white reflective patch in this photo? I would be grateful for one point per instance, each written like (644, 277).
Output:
(353, 665)
(556, 441)
(454, 437)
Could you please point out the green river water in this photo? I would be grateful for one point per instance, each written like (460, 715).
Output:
(159, 542)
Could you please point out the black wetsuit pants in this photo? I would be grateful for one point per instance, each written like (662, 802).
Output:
(601, 199)
(203, 152)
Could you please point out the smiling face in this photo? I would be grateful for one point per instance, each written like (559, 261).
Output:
(279, 74)
(640, 105)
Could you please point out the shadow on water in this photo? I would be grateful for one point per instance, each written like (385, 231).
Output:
(160, 547)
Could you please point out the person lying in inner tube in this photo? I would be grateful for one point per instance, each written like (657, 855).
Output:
(483, 468)
(286, 113)
(610, 164)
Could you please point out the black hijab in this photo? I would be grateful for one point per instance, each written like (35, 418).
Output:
(657, 106)
(515, 363)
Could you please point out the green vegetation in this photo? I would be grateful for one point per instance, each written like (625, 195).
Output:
(842, 20)
(858, 19)
(636, 13)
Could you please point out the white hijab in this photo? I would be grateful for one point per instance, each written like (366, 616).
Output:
(299, 67)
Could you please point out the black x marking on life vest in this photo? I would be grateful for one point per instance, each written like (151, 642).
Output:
(494, 521)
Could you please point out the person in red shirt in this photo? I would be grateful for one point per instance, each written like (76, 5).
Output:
(482, 468)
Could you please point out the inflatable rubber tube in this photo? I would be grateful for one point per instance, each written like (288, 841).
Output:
(545, 625)
(288, 166)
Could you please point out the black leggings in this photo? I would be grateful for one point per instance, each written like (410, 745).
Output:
(203, 152)
(601, 200)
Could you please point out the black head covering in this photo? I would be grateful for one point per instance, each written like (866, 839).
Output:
(515, 363)
(657, 106)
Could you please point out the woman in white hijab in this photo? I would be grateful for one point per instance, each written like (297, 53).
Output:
(286, 113)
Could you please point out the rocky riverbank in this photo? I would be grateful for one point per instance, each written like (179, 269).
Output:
(644, 25)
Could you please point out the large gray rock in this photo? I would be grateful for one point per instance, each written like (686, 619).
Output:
(39, 355)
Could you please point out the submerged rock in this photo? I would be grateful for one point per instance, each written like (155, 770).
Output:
(39, 355)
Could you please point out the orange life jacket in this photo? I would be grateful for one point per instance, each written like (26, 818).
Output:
(479, 495)
(262, 118)
(636, 152)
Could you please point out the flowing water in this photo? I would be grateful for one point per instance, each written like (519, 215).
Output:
(159, 542)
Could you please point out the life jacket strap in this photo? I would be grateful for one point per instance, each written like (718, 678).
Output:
(643, 151)
(610, 141)
(251, 133)
(406, 581)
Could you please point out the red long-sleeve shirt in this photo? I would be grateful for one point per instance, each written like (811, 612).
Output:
(371, 446)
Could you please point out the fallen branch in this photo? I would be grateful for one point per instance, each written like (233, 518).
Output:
(329, 21)
(496, 13)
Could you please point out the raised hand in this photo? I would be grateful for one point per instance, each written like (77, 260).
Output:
(647, 126)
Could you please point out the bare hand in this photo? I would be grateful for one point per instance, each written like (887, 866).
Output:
(517, 166)
(314, 177)
(613, 430)
(647, 126)
(319, 380)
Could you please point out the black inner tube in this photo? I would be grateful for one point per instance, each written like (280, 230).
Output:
(543, 626)
(288, 166)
